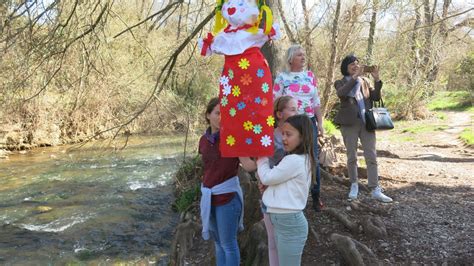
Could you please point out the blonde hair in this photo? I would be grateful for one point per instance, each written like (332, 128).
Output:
(290, 53)
(280, 104)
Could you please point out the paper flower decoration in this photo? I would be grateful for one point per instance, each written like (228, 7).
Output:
(230, 140)
(257, 129)
(224, 101)
(244, 63)
(241, 105)
(236, 91)
(270, 121)
(246, 79)
(248, 125)
(266, 141)
(224, 80)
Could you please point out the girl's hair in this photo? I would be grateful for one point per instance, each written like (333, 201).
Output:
(346, 62)
(303, 124)
(210, 106)
(290, 53)
(279, 105)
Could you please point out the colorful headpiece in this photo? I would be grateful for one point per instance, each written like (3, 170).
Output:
(221, 23)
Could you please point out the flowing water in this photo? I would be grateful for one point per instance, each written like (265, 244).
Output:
(91, 204)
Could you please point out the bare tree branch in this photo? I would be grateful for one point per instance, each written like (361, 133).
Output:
(439, 21)
(162, 11)
(285, 22)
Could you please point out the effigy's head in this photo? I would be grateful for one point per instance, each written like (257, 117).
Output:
(240, 12)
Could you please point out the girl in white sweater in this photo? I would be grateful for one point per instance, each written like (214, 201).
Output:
(288, 187)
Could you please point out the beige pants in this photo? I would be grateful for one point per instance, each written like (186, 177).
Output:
(351, 135)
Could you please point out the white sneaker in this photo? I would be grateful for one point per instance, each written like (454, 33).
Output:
(354, 191)
(378, 195)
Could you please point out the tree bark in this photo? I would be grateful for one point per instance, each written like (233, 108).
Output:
(429, 61)
(270, 50)
(373, 24)
(307, 42)
(415, 50)
(332, 60)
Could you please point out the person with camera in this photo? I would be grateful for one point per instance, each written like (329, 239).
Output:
(356, 95)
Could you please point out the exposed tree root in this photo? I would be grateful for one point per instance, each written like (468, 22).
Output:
(342, 217)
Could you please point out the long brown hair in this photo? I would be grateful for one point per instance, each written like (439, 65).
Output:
(302, 123)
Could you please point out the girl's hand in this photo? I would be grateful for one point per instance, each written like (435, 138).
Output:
(321, 130)
(375, 74)
(261, 187)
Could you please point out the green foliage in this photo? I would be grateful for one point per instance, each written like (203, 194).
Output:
(329, 127)
(404, 102)
(467, 136)
(186, 199)
(453, 101)
(187, 183)
(463, 74)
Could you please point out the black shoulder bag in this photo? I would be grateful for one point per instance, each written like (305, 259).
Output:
(378, 117)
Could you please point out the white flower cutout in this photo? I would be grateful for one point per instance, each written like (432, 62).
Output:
(266, 141)
(227, 89)
(224, 80)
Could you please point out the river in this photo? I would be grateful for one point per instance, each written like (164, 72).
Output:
(95, 203)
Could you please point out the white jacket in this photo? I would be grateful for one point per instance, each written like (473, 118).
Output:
(288, 183)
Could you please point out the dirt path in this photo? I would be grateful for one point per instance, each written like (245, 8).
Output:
(430, 176)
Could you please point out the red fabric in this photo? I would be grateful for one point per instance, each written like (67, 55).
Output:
(247, 120)
(217, 169)
(206, 43)
(246, 26)
(272, 32)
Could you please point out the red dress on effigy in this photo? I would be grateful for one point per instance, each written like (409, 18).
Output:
(246, 99)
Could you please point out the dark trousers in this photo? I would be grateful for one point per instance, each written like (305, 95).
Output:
(316, 188)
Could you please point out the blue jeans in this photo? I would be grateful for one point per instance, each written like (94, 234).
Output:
(291, 232)
(316, 187)
(224, 225)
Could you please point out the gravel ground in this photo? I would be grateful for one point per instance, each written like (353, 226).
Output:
(431, 179)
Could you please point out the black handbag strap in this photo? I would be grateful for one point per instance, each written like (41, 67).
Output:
(378, 103)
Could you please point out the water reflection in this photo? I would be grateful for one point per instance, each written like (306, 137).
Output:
(94, 203)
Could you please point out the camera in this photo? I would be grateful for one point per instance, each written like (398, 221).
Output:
(368, 69)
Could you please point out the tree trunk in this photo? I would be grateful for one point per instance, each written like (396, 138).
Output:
(429, 55)
(270, 50)
(308, 44)
(332, 60)
(373, 24)
(415, 51)
(288, 31)
(433, 72)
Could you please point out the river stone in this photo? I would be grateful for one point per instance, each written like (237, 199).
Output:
(43, 209)
(3, 154)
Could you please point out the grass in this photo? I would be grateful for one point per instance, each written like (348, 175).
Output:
(441, 116)
(423, 128)
(451, 101)
(467, 136)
